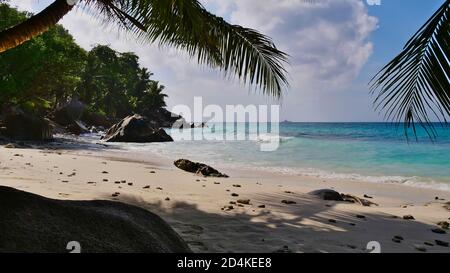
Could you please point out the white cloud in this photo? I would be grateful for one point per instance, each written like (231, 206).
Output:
(328, 41)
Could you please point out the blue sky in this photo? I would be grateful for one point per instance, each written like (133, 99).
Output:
(335, 48)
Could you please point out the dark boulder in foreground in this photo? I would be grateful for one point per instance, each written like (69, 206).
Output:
(135, 129)
(31, 223)
(21, 126)
(327, 194)
(198, 168)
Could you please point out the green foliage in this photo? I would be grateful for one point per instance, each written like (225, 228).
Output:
(45, 72)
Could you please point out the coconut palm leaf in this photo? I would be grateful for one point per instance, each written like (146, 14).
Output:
(183, 24)
(414, 88)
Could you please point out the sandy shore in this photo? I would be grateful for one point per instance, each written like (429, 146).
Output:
(194, 205)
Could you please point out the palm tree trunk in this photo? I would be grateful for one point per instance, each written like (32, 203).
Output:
(34, 26)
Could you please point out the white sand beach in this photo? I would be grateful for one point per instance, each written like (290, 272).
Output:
(197, 207)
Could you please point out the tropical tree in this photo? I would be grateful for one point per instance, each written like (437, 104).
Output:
(415, 86)
(182, 24)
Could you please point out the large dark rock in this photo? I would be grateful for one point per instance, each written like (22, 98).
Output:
(69, 116)
(135, 129)
(21, 126)
(198, 168)
(162, 118)
(31, 223)
(96, 120)
(327, 194)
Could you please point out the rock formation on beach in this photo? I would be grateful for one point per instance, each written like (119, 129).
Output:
(198, 168)
(31, 223)
(136, 129)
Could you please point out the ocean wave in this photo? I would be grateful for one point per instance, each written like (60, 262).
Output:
(413, 181)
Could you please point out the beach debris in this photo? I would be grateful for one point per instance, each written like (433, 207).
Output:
(356, 199)
(243, 201)
(438, 231)
(234, 194)
(288, 202)
(359, 216)
(443, 224)
(408, 217)
(262, 206)
(198, 168)
(441, 243)
(146, 187)
(327, 194)
(236, 185)
(420, 248)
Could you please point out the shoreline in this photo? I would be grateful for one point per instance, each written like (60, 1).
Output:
(194, 205)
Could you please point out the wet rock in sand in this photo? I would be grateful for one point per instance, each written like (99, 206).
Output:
(428, 244)
(288, 202)
(408, 217)
(441, 243)
(438, 231)
(359, 216)
(332, 221)
(262, 206)
(198, 168)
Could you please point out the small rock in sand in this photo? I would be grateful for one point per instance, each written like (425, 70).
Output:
(332, 221)
(65, 181)
(360, 216)
(441, 243)
(444, 224)
(105, 180)
(428, 244)
(243, 201)
(367, 196)
(167, 199)
(395, 240)
(398, 237)
(217, 183)
(232, 203)
(438, 231)
(236, 185)
(420, 248)
(234, 194)
(130, 184)
(288, 202)
(146, 187)
(10, 146)
(116, 182)
(104, 172)
(91, 182)
(262, 206)
(288, 192)
(159, 188)
(408, 217)
(152, 172)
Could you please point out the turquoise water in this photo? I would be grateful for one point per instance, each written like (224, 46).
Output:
(376, 152)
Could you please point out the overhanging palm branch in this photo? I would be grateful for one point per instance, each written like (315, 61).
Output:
(183, 24)
(415, 87)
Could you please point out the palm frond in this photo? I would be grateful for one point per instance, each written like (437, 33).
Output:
(187, 25)
(414, 88)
